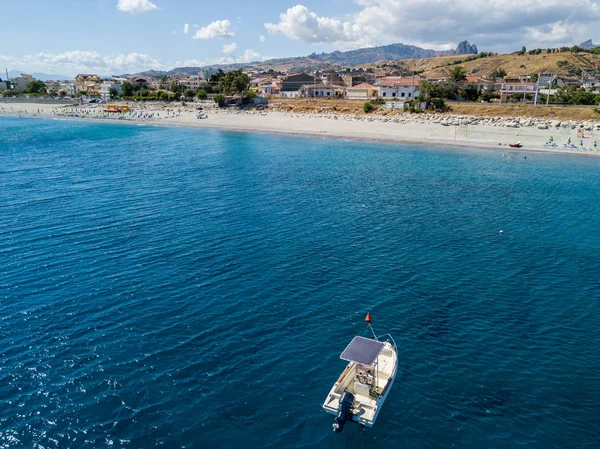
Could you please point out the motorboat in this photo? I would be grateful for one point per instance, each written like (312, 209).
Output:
(362, 388)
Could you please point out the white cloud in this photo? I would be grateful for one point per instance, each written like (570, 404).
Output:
(250, 56)
(439, 23)
(218, 29)
(79, 61)
(229, 49)
(186, 28)
(300, 24)
(86, 61)
(136, 6)
(261, 38)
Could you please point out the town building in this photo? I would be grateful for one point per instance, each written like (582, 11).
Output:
(90, 84)
(22, 82)
(398, 87)
(353, 80)
(363, 91)
(322, 90)
(105, 88)
(70, 89)
(293, 83)
(523, 90)
(483, 84)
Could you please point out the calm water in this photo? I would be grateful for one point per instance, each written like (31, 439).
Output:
(189, 288)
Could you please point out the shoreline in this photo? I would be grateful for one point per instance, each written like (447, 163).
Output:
(415, 131)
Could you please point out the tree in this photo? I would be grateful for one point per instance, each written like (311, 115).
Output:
(368, 107)
(201, 94)
(471, 92)
(189, 94)
(216, 78)
(234, 82)
(113, 92)
(498, 73)
(81, 93)
(176, 88)
(35, 87)
(220, 100)
(250, 95)
(127, 89)
(488, 96)
(458, 74)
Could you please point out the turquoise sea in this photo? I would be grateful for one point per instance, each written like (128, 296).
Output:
(185, 288)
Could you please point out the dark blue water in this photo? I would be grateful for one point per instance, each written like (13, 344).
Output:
(190, 288)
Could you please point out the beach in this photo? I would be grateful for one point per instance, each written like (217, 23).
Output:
(536, 135)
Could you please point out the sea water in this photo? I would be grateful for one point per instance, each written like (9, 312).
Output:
(194, 289)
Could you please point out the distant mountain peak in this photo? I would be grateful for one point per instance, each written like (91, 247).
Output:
(465, 48)
(588, 45)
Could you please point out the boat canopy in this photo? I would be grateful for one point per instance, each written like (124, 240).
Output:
(362, 350)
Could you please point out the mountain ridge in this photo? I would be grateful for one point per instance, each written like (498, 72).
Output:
(336, 58)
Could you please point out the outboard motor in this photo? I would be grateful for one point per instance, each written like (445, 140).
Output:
(345, 414)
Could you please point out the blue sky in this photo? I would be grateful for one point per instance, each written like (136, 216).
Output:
(116, 36)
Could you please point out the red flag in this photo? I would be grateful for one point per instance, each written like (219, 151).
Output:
(368, 317)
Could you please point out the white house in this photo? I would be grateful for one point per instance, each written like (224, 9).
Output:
(321, 90)
(397, 87)
(105, 89)
(192, 82)
(70, 89)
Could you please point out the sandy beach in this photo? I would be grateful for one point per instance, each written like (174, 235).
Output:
(431, 129)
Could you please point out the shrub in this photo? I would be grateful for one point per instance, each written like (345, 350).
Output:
(220, 100)
(378, 101)
(597, 110)
(368, 107)
(438, 104)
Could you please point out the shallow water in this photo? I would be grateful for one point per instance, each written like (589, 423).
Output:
(194, 288)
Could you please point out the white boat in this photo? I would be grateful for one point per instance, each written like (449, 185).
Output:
(362, 388)
(201, 115)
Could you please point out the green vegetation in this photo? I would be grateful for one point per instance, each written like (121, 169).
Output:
(368, 107)
(488, 96)
(471, 92)
(201, 94)
(458, 74)
(128, 89)
(498, 73)
(35, 87)
(220, 100)
(189, 94)
(113, 92)
(234, 82)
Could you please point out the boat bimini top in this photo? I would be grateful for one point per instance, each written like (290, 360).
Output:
(363, 351)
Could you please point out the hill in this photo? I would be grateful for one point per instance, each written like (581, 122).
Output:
(564, 64)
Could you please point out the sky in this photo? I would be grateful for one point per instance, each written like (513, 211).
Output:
(111, 37)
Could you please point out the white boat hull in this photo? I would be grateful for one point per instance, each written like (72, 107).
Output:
(369, 393)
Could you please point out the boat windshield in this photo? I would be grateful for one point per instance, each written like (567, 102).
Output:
(362, 350)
